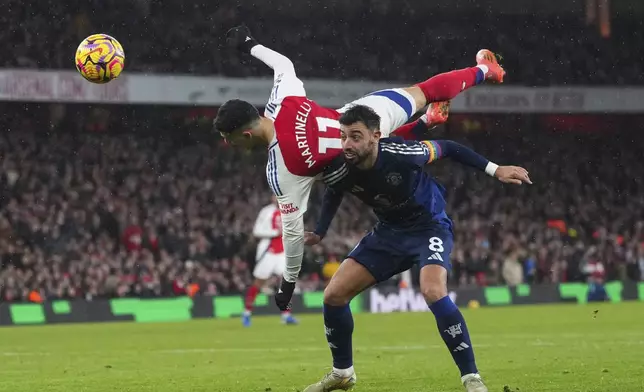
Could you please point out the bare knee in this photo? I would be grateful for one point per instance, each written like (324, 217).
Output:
(433, 283)
(432, 294)
(418, 96)
(347, 282)
(335, 296)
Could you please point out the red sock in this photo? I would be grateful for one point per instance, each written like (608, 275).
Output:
(445, 86)
(411, 131)
(251, 294)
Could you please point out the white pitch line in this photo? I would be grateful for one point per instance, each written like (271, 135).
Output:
(180, 351)
(284, 349)
(535, 343)
(16, 354)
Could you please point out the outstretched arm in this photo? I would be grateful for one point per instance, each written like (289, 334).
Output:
(292, 194)
(278, 62)
(285, 81)
(449, 149)
(293, 239)
(438, 149)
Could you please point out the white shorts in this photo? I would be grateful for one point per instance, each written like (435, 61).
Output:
(394, 106)
(270, 264)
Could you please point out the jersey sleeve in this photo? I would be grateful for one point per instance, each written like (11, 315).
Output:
(285, 81)
(456, 151)
(292, 192)
(415, 152)
(330, 204)
(293, 202)
(428, 151)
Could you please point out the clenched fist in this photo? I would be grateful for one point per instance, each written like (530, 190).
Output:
(240, 38)
(284, 295)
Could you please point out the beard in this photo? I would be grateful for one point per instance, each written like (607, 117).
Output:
(356, 157)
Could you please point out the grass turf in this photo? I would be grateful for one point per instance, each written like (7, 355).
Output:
(567, 348)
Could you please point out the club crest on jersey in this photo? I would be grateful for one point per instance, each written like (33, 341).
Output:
(394, 178)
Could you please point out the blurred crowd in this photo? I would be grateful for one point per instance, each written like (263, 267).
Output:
(101, 204)
(368, 39)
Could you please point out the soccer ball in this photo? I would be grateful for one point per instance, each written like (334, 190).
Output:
(100, 58)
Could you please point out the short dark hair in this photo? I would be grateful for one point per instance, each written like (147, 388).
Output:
(363, 114)
(235, 115)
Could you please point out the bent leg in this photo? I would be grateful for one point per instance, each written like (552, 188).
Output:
(396, 106)
(446, 86)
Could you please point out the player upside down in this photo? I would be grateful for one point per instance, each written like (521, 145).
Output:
(412, 228)
(303, 137)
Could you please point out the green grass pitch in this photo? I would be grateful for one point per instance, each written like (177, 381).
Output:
(564, 348)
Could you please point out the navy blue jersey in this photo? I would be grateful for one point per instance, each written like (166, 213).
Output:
(413, 227)
(400, 192)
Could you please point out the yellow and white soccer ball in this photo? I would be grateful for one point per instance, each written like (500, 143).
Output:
(100, 58)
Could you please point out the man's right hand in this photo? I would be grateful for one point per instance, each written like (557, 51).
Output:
(512, 175)
(240, 38)
(311, 238)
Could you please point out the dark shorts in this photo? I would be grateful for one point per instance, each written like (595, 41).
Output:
(386, 252)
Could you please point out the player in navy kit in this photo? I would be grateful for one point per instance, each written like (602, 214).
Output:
(303, 137)
(413, 228)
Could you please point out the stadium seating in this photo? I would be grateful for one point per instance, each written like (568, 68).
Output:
(561, 49)
(145, 210)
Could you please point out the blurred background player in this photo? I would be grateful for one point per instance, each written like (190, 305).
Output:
(303, 137)
(270, 260)
(413, 229)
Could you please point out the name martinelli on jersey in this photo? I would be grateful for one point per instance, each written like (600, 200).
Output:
(300, 133)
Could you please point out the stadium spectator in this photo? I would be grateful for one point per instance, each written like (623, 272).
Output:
(357, 39)
(157, 211)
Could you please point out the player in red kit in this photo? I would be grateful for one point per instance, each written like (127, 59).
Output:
(270, 258)
(303, 137)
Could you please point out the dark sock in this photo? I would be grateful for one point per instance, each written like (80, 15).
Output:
(416, 130)
(453, 330)
(338, 323)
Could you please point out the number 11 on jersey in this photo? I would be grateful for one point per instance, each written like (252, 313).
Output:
(325, 143)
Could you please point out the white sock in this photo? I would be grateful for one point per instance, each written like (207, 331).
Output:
(475, 375)
(348, 372)
(483, 68)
